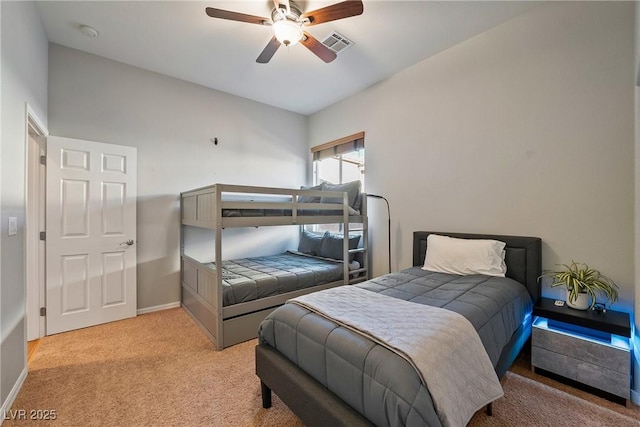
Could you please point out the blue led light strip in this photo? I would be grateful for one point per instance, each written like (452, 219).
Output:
(614, 341)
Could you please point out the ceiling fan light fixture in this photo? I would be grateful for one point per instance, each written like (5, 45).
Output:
(287, 32)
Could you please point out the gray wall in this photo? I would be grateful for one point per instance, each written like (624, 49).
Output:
(636, 366)
(24, 80)
(637, 50)
(525, 129)
(171, 123)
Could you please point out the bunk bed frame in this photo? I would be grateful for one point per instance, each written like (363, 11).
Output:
(202, 285)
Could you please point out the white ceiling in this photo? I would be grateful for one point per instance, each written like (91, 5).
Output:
(178, 39)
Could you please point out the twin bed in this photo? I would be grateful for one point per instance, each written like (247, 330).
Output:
(331, 370)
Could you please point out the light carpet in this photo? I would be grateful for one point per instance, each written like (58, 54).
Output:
(159, 369)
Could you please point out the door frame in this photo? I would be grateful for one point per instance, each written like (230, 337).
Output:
(35, 288)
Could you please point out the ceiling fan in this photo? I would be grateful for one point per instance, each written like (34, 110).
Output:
(288, 20)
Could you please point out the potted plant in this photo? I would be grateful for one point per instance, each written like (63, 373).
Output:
(583, 283)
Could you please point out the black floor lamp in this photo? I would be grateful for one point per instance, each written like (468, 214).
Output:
(375, 196)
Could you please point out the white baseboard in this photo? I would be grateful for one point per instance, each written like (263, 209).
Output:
(158, 308)
(6, 406)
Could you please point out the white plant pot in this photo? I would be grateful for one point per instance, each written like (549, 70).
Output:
(580, 303)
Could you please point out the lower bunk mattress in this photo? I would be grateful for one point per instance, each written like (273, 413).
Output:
(377, 382)
(253, 278)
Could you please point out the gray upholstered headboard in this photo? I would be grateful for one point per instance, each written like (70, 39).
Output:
(523, 255)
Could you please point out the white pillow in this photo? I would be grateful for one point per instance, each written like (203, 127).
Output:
(465, 256)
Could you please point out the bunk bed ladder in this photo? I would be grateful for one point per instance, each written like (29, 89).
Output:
(361, 274)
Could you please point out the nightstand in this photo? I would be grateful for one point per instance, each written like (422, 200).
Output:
(583, 345)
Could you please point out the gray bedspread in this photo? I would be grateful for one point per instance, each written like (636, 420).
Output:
(459, 377)
(249, 279)
(379, 384)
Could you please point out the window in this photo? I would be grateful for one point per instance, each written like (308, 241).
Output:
(338, 162)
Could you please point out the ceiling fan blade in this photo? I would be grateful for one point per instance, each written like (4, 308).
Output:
(267, 53)
(320, 50)
(335, 11)
(236, 16)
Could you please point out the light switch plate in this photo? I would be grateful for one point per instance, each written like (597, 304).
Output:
(13, 226)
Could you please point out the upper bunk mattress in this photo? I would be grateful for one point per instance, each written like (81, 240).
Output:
(235, 213)
(353, 202)
(249, 279)
(375, 381)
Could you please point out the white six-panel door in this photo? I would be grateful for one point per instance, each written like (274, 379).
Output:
(90, 233)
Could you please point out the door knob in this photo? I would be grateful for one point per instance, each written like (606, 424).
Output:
(128, 242)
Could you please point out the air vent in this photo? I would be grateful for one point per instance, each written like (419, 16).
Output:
(337, 42)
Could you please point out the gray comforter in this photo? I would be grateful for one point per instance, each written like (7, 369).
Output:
(442, 345)
(249, 279)
(373, 380)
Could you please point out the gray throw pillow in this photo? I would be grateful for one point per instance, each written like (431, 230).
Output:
(310, 242)
(310, 199)
(331, 246)
(353, 192)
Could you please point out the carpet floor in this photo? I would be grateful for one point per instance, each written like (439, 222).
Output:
(159, 369)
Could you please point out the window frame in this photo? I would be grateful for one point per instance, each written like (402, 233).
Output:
(336, 149)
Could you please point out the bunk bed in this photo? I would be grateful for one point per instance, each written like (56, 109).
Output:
(229, 303)
(329, 373)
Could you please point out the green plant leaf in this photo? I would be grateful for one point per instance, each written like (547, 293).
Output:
(579, 277)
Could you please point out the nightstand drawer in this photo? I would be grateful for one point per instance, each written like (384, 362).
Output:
(608, 380)
(593, 353)
(595, 363)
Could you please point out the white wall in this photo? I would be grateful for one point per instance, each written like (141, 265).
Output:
(525, 129)
(171, 123)
(24, 80)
